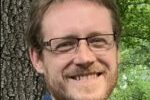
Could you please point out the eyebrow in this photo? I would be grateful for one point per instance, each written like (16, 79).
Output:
(96, 33)
(71, 36)
(91, 34)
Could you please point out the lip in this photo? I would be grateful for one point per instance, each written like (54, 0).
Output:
(86, 80)
(85, 77)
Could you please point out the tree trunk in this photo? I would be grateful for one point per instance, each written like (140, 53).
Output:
(18, 78)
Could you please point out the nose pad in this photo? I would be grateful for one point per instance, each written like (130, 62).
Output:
(84, 56)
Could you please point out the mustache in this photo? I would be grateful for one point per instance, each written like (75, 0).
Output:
(81, 70)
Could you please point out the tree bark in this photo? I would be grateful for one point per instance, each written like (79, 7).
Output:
(19, 81)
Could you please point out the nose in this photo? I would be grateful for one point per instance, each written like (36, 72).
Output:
(85, 57)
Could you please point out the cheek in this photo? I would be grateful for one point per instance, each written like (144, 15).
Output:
(53, 74)
(110, 60)
(112, 57)
(55, 65)
(54, 68)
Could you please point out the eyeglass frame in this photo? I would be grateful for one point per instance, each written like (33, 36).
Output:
(48, 43)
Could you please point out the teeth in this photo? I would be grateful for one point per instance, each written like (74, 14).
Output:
(86, 77)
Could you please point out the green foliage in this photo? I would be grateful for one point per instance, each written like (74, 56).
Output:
(134, 85)
(134, 68)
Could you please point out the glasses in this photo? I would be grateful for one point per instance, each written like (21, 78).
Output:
(101, 42)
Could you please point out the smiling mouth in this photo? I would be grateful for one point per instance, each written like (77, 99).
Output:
(86, 76)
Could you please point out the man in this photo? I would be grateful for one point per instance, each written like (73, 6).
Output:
(74, 44)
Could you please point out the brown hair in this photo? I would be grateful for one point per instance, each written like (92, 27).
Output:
(39, 7)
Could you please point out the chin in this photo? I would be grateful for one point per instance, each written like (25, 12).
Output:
(102, 92)
(98, 94)
(88, 97)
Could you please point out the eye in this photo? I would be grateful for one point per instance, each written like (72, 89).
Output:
(98, 42)
(65, 45)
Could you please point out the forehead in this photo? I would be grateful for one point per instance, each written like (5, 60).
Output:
(75, 17)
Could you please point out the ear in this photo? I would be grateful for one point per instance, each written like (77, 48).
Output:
(36, 61)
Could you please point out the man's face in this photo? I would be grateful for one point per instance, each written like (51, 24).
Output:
(85, 74)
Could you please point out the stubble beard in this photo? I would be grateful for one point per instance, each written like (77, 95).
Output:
(59, 92)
